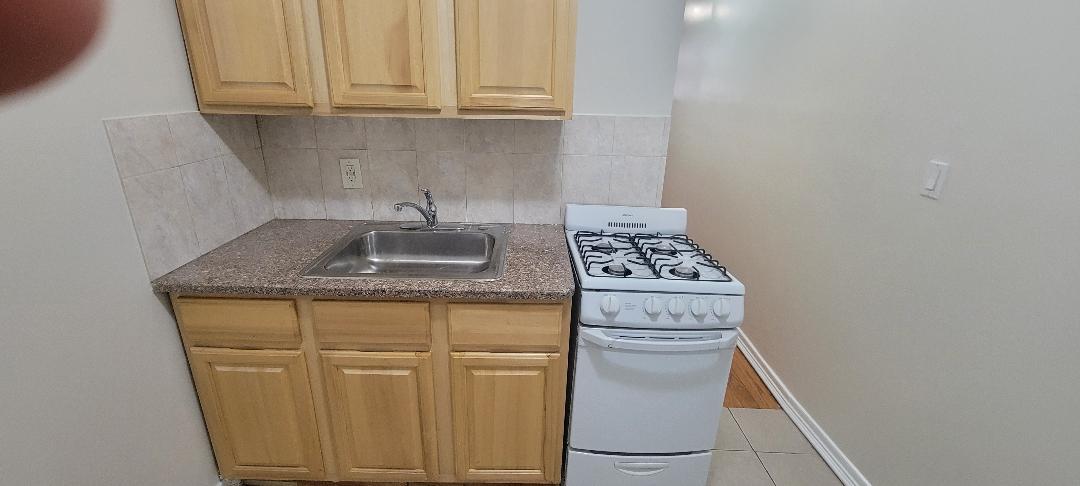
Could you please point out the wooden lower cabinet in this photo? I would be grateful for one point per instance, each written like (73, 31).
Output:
(380, 392)
(382, 411)
(508, 416)
(259, 412)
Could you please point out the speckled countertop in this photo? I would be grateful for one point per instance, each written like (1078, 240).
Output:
(270, 260)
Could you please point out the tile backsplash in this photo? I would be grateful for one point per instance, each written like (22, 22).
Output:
(193, 181)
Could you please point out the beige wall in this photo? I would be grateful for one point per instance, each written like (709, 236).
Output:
(935, 341)
(95, 387)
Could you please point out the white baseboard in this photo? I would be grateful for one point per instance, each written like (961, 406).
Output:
(829, 451)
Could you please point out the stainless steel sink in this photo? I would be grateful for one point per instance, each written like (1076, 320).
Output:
(385, 250)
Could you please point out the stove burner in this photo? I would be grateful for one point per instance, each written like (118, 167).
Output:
(618, 270)
(685, 271)
(665, 251)
(605, 247)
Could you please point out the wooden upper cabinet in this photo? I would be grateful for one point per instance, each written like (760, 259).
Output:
(382, 408)
(515, 54)
(381, 52)
(508, 417)
(247, 52)
(259, 412)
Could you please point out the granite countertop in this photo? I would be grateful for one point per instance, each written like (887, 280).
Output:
(270, 259)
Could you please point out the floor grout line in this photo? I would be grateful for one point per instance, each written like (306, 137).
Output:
(757, 455)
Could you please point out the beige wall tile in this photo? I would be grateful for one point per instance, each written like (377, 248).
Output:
(588, 135)
(249, 189)
(440, 135)
(537, 136)
(340, 132)
(141, 144)
(208, 198)
(390, 133)
(586, 179)
(393, 180)
(641, 136)
(635, 181)
(490, 189)
(444, 173)
(344, 203)
(295, 183)
(537, 189)
(163, 223)
(489, 136)
(287, 131)
(240, 132)
(199, 137)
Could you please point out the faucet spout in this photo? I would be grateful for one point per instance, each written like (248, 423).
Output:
(430, 213)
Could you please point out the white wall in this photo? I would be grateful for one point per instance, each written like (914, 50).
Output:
(626, 54)
(935, 341)
(95, 387)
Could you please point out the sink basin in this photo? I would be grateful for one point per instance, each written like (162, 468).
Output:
(385, 250)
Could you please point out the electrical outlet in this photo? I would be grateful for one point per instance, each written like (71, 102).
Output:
(350, 174)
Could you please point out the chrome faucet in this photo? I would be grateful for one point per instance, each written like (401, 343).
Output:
(431, 214)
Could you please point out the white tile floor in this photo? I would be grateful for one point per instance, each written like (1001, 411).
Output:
(763, 448)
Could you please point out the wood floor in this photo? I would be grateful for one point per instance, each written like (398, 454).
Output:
(745, 388)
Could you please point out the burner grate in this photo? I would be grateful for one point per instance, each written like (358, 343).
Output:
(653, 256)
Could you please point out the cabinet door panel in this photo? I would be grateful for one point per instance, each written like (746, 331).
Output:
(515, 53)
(382, 408)
(249, 52)
(508, 411)
(259, 413)
(381, 52)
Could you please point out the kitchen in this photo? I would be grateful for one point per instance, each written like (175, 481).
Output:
(212, 279)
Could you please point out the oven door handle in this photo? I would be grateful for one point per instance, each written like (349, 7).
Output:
(602, 338)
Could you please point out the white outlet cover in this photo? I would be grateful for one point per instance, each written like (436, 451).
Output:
(351, 178)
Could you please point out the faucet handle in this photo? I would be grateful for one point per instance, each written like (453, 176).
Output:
(428, 196)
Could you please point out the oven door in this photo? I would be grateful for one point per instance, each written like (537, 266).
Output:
(649, 392)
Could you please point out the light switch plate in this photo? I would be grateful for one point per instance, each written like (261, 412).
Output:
(351, 178)
(934, 179)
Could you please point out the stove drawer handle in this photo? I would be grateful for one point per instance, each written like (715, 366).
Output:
(600, 338)
(641, 468)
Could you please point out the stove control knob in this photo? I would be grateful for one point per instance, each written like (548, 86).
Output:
(609, 305)
(722, 308)
(698, 308)
(653, 307)
(676, 307)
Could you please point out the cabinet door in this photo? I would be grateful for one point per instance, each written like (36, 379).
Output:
(381, 52)
(508, 416)
(515, 53)
(382, 408)
(259, 413)
(247, 52)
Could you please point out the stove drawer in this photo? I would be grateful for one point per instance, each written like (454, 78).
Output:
(589, 469)
(649, 392)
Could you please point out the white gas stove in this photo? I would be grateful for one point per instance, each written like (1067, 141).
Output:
(656, 318)
(637, 268)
